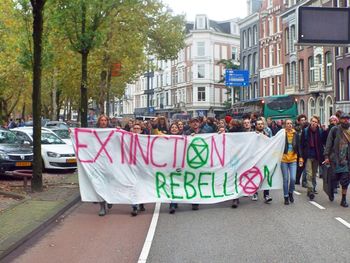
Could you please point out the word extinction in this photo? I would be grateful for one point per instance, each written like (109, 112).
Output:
(133, 149)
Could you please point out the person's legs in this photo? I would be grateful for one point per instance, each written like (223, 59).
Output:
(309, 172)
(292, 174)
(102, 211)
(284, 168)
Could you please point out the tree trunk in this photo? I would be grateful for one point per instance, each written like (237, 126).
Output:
(108, 87)
(53, 97)
(101, 101)
(84, 74)
(38, 8)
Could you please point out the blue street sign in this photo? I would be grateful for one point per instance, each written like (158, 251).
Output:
(151, 110)
(236, 78)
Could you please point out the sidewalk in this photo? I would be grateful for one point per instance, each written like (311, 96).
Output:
(23, 215)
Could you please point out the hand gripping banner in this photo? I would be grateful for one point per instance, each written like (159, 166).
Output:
(128, 168)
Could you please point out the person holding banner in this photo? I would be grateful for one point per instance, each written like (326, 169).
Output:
(103, 122)
(136, 128)
(195, 128)
(289, 161)
(173, 130)
(260, 128)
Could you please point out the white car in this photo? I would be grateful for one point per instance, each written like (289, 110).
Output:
(55, 153)
(63, 134)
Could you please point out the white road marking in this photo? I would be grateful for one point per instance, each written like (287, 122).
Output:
(317, 205)
(341, 220)
(149, 238)
(297, 193)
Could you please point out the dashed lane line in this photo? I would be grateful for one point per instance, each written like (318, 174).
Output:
(341, 220)
(149, 238)
(317, 205)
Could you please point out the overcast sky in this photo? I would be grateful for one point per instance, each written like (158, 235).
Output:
(218, 10)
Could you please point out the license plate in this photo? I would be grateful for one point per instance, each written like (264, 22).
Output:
(71, 160)
(23, 164)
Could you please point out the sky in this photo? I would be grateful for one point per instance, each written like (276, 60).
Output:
(219, 10)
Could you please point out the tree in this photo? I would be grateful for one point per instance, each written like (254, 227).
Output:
(37, 10)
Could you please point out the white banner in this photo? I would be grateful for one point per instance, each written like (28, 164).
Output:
(127, 168)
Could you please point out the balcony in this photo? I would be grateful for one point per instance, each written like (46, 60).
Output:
(291, 89)
(317, 86)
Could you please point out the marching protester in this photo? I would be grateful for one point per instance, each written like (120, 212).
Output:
(260, 128)
(195, 128)
(136, 128)
(312, 153)
(246, 128)
(173, 130)
(289, 161)
(301, 172)
(337, 153)
(103, 122)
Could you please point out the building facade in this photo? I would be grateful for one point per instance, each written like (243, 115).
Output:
(191, 84)
(249, 55)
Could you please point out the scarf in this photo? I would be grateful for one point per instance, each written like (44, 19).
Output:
(314, 141)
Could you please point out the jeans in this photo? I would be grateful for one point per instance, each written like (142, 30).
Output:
(289, 171)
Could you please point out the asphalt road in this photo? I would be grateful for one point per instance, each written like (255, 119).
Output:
(254, 232)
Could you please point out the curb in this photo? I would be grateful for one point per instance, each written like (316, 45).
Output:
(71, 201)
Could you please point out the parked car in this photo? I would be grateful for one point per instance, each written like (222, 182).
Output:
(63, 134)
(14, 154)
(56, 124)
(55, 153)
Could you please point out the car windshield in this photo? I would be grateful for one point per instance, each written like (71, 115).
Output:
(50, 138)
(62, 133)
(8, 137)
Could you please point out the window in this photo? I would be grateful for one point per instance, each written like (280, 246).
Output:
(264, 58)
(264, 87)
(341, 91)
(250, 64)
(271, 26)
(200, 23)
(329, 68)
(287, 75)
(234, 52)
(256, 91)
(292, 38)
(255, 35)
(301, 74)
(244, 39)
(312, 108)
(279, 84)
(249, 40)
(269, 3)
(319, 67)
(286, 40)
(293, 73)
(311, 70)
(278, 54)
(256, 66)
(271, 55)
(272, 86)
(201, 71)
(200, 49)
(201, 93)
(244, 64)
(302, 107)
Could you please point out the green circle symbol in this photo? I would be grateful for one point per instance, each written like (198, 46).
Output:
(197, 153)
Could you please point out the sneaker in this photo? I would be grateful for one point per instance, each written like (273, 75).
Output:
(343, 203)
(291, 197)
(315, 192)
(304, 185)
(268, 199)
(195, 206)
(311, 195)
(172, 210)
(142, 207)
(235, 203)
(255, 197)
(102, 211)
(109, 206)
(286, 201)
(134, 211)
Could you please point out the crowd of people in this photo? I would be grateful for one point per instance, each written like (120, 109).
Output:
(309, 147)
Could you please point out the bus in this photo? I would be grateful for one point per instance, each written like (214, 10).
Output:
(275, 107)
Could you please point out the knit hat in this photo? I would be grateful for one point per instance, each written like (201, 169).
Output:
(333, 118)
